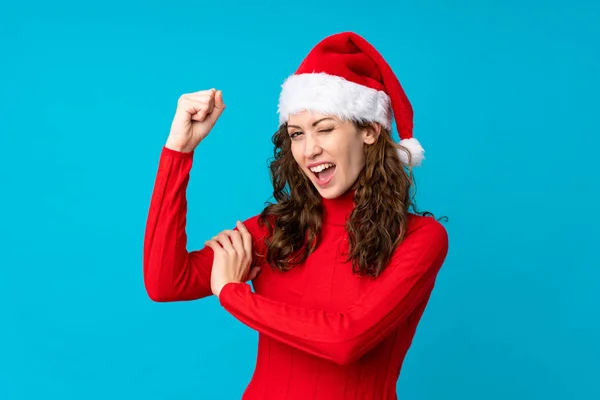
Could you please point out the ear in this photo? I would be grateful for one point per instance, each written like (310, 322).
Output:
(371, 133)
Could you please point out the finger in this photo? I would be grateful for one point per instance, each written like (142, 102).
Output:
(204, 95)
(236, 241)
(213, 244)
(200, 115)
(217, 107)
(219, 104)
(246, 237)
(206, 92)
(197, 109)
(208, 99)
(224, 240)
(253, 273)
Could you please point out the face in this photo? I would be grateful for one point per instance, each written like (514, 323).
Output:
(329, 150)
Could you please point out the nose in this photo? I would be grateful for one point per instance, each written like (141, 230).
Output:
(311, 146)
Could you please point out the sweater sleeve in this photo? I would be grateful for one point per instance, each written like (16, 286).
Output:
(344, 337)
(171, 273)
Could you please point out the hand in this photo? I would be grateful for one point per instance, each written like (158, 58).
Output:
(232, 259)
(195, 116)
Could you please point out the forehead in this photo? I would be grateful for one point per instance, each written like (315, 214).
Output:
(306, 118)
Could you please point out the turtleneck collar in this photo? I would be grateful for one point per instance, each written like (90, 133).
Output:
(337, 211)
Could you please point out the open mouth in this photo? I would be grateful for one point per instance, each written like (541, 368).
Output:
(324, 173)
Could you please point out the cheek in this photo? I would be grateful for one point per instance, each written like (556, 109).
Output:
(357, 165)
(353, 162)
(295, 152)
(356, 154)
(297, 155)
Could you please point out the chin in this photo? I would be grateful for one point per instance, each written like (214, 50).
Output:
(330, 192)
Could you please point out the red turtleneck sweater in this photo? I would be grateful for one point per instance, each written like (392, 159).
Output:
(324, 333)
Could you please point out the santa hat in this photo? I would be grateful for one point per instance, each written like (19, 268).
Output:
(346, 76)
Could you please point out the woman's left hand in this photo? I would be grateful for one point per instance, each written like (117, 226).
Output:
(232, 259)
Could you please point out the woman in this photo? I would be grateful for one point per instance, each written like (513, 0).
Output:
(341, 270)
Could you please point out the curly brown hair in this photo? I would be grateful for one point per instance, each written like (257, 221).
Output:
(382, 196)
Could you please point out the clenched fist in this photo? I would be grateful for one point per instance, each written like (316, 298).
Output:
(232, 259)
(195, 116)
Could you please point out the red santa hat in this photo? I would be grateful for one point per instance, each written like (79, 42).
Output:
(346, 76)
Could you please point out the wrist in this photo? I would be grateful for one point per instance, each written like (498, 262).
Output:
(173, 145)
(219, 289)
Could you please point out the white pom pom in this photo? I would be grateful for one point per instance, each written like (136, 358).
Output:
(416, 151)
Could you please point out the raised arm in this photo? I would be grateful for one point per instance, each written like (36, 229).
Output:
(170, 272)
(343, 337)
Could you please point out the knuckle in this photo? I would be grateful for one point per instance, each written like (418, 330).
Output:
(182, 99)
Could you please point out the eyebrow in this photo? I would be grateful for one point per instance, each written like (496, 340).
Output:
(313, 124)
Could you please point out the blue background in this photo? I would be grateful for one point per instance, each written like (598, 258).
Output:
(506, 105)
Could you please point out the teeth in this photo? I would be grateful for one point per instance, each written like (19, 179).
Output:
(321, 167)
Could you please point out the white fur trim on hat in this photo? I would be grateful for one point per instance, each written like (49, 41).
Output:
(330, 94)
(416, 151)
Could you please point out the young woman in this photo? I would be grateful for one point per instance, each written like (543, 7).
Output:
(341, 270)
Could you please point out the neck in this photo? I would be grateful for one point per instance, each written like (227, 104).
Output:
(336, 211)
